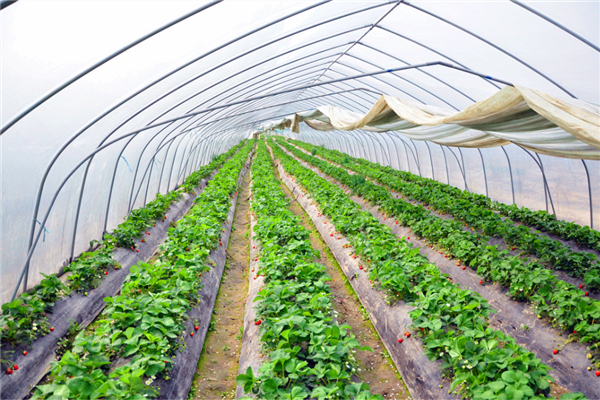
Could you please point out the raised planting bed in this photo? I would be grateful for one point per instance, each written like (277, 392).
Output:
(133, 347)
(582, 237)
(305, 352)
(561, 303)
(513, 318)
(452, 322)
(78, 309)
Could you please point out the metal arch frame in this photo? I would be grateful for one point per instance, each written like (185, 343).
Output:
(493, 45)
(400, 77)
(430, 160)
(484, 173)
(460, 168)
(555, 23)
(104, 61)
(141, 154)
(407, 148)
(587, 173)
(108, 111)
(547, 193)
(512, 184)
(446, 162)
(420, 70)
(418, 43)
(397, 3)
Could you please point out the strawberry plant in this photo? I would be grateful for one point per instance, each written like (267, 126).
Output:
(526, 281)
(308, 354)
(24, 319)
(140, 330)
(453, 323)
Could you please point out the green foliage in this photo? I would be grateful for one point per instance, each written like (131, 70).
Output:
(144, 324)
(309, 355)
(453, 323)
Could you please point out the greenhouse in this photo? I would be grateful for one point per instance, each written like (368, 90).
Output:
(324, 199)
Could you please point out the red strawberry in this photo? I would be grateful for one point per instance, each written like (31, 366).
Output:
(15, 367)
(105, 272)
(586, 293)
(138, 251)
(143, 240)
(407, 334)
(400, 340)
(166, 361)
(154, 224)
(554, 351)
(597, 373)
(52, 328)
(191, 333)
(481, 282)
(580, 286)
(196, 327)
(463, 268)
(408, 238)
(445, 256)
(148, 233)
(24, 352)
(9, 371)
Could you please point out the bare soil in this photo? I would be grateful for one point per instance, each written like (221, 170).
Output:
(218, 364)
(376, 368)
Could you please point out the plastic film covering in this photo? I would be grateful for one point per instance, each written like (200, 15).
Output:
(149, 92)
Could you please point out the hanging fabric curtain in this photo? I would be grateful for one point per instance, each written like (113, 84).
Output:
(527, 117)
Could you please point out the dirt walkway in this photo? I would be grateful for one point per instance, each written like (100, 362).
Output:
(376, 368)
(218, 364)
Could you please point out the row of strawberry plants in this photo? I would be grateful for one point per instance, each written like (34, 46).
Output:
(24, 319)
(478, 216)
(561, 302)
(453, 323)
(137, 335)
(309, 354)
(583, 235)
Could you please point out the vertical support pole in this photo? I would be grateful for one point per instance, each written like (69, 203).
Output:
(587, 173)
(464, 167)
(431, 160)
(512, 184)
(546, 182)
(417, 157)
(446, 162)
(484, 173)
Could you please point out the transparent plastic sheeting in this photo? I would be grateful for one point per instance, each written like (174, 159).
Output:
(238, 65)
(566, 178)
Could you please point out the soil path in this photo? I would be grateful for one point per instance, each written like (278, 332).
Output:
(218, 364)
(376, 369)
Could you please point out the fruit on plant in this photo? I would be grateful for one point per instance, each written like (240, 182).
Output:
(257, 322)
(196, 327)
(512, 248)
(407, 334)
(9, 371)
(589, 368)
(580, 286)
(24, 352)
(481, 282)
(191, 333)
(52, 328)
(400, 340)
(105, 272)
(554, 351)
(137, 251)
(408, 238)
(597, 373)
(15, 367)
(586, 293)
(463, 267)
(589, 356)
